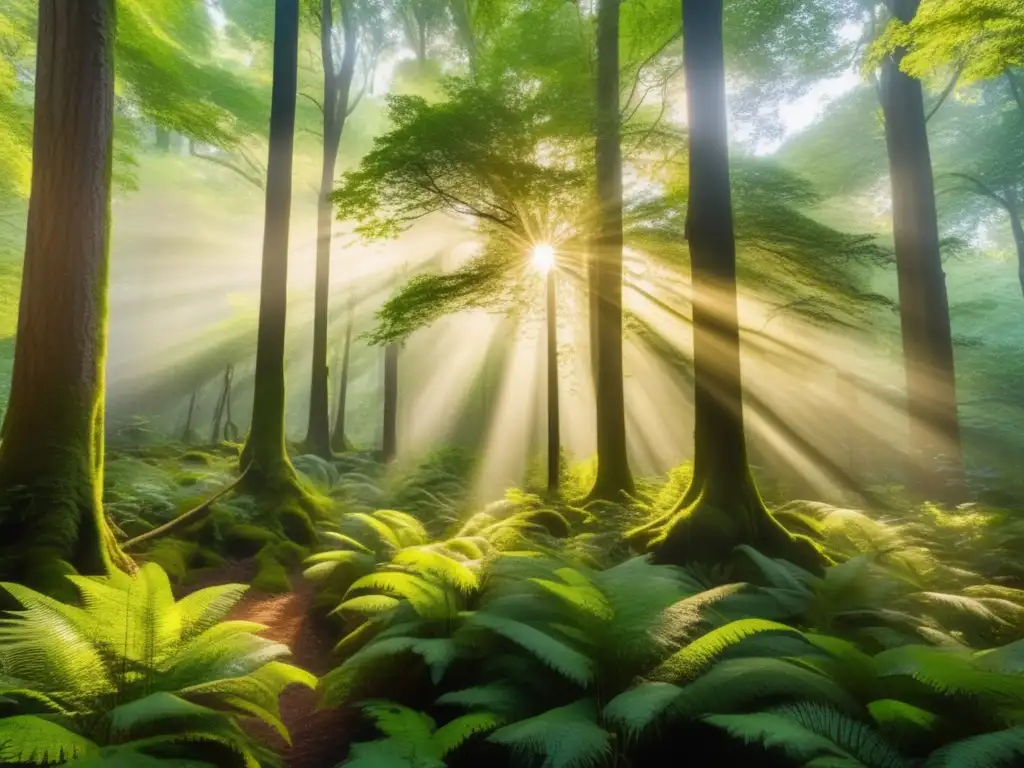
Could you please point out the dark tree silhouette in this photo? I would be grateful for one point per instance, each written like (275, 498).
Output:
(722, 508)
(613, 474)
(924, 307)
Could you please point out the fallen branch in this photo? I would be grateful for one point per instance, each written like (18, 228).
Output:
(192, 516)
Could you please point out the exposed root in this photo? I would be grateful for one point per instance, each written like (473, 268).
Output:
(707, 528)
(194, 515)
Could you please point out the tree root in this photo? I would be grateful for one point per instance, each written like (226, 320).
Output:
(193, 515)
(708, 531)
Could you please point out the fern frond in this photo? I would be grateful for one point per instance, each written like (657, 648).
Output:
(441, 567)
(549, 651)
(1000, 749)
(454, 734)
(409, 531)
(346, 541)
(429, 599)
(142, 714)
(578, 594)
(502, 698)
(31, 739)
(694, 658)
(566, 737)
(203, 608)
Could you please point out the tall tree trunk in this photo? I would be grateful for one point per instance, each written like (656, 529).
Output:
(721, 508)
(186, 433)
(336, 97)
(338, 440)
(554, 438)
(389, 443)
(613, 474)
(163, 139)
(1013, 209)
(924, 308)
(265, 454)
(51, 458)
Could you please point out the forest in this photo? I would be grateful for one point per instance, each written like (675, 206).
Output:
(534, 384)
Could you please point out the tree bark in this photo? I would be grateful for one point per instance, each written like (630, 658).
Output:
(924, 307)
(1013, 209)
(554, 438)
(613, 474)
(265, 446)
(721, 509)
(338, 440)
(51, 458)
(336, 97)
(163, 139)
(389, 443)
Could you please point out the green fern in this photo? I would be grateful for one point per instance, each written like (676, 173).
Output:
(565, 737)
(1000, 749)
(135, 666)
(412, 739)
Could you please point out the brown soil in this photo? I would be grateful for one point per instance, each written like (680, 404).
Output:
(319, 737)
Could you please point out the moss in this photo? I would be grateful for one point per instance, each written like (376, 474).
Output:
(554, 523)
(175, 556)
(135, 526)
(246, 540)
(291, 554)
(186, 479)
(48, 575)
(295, 523)
(207, 558)
(703, 532)
(271, 576)
(197, 457)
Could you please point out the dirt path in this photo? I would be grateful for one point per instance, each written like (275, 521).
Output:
(319, 738)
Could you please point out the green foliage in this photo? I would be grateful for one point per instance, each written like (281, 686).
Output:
(133, 676)
(982, 38)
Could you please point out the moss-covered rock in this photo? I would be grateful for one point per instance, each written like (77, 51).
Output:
(197, 457)
(271, 576)
(295, 523)
(208, 558)
(551, 521)
(245, 540)
(175, 556)
(186, 479)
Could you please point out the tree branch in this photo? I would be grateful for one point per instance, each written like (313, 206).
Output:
(194, 515)
(982, 189)
(946, 91)
(316, 103)
(256, 181)
(1015, 89)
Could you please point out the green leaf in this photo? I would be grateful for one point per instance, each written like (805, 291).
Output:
(31, 739)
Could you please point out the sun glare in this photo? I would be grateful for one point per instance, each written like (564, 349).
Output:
(543, 257)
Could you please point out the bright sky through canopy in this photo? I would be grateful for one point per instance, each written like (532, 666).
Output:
(543, 257)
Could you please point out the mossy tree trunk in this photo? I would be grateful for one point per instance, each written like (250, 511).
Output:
(265, 445)
(613, 475)
(389, 443)
(924, 307)
(51, 458)
(336, 107)
(722, 508)
(339, 442)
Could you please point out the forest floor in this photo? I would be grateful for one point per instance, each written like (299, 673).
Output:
(319, 737)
